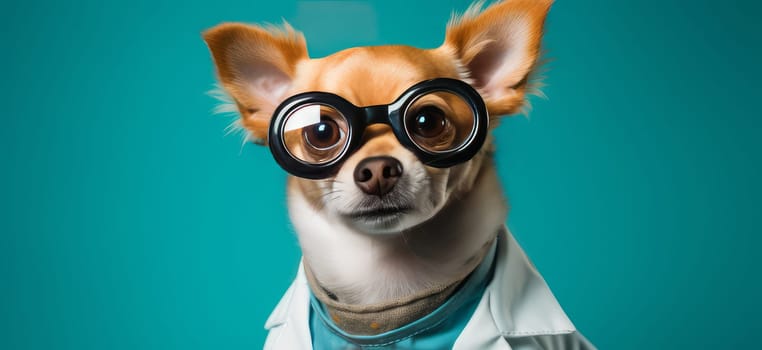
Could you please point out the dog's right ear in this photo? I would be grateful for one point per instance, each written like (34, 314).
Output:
(256, 67)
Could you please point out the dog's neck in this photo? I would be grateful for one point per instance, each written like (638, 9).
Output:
(361, 269)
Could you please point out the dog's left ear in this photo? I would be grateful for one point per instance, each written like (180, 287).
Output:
(499, 47)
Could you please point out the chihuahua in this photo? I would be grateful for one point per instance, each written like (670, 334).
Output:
(393, 193)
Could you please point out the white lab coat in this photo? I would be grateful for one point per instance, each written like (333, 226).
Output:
(517, 311)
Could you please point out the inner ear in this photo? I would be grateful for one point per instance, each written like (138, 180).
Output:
(485, 62)
(503, 64)
(265, 82)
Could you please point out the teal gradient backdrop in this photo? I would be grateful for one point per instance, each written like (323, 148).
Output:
(128, 220)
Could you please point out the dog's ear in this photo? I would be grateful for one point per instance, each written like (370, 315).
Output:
(256, 66)
(499, 47)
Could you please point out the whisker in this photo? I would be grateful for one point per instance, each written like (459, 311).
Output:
(330, 193)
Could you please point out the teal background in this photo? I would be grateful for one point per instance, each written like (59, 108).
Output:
(128, 220)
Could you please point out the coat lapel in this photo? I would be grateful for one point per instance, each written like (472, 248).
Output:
(517, 303)
(525, 305)
(481, 331)
(288, 324)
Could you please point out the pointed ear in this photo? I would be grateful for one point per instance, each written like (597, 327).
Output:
(499, 47)
(256, 66)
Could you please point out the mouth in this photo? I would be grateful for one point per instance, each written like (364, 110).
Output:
(379, 214)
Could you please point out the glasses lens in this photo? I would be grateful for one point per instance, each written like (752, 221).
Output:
(315, 134)
(439, 121)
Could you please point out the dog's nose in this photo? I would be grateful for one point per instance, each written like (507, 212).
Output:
(378, 175)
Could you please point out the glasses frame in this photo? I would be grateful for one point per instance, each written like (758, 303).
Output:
(393, 114)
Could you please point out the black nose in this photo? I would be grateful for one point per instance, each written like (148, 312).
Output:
(378, 175)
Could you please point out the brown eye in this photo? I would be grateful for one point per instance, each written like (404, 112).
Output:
(323, 135)
(428, 122)
(315, 133)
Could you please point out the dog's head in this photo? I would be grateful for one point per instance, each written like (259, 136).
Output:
(382, 186)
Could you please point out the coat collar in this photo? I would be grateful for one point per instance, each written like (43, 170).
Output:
(517, 303)
(289, 322)
(519, 299)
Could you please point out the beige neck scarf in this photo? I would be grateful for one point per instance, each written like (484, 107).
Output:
(383, 317)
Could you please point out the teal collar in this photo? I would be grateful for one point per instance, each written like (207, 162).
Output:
(439, 329)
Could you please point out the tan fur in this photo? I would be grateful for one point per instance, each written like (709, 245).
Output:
(495, 50)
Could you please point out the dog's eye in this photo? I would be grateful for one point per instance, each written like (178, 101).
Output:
(429, 122)
(323, 135)
(439, 121)
(315, 133)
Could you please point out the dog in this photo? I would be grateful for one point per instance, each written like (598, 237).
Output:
(393, 193)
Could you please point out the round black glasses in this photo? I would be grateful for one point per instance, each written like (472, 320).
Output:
(443, 121)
